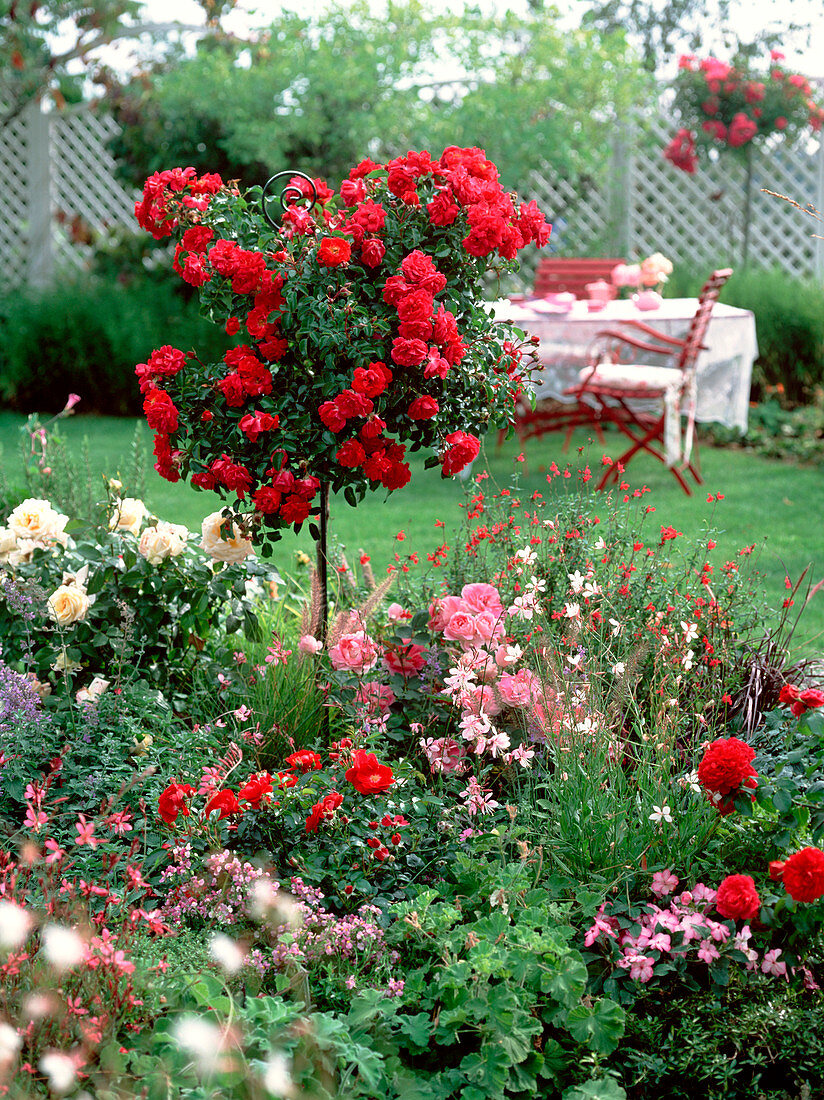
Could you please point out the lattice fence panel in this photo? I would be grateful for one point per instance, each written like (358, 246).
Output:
(86, 197)
(14, 188)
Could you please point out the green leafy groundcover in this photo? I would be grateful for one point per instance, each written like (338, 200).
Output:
(518, 826)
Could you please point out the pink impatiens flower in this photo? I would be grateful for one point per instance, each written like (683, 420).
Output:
(663, 883)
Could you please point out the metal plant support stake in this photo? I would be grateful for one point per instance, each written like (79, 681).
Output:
(293, 194)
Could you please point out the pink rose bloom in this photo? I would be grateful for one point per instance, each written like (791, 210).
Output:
(626, 275)
(441, 611)
(375, 697)
(489, 625)
(444, 755)
(395, 612)
(354, 653)
(310, 645)
(482, 697)
(462, 628)
(483, 597)
(521, 689)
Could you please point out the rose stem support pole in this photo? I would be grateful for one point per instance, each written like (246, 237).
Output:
(323, 622)
(323, 561)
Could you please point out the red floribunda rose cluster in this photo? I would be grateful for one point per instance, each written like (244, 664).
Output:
(723, 104)
(358, 330)
(800, 700)
(725, 769)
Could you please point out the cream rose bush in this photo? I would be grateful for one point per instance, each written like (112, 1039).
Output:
(136, 592)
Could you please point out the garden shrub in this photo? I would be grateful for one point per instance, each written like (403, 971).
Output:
(85, 338)
(789, 321)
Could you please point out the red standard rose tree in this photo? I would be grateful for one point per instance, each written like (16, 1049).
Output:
(729, 106)
(358, 331)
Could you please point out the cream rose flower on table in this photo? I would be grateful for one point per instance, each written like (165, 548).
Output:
(68, 604)
(222, 539)
(128, 515)
(164, 540)
(35, 519)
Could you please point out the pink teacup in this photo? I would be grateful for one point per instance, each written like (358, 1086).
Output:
(647, 299)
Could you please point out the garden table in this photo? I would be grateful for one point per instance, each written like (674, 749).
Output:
(723, 371)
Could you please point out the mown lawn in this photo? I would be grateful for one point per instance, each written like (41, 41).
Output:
(774, 505)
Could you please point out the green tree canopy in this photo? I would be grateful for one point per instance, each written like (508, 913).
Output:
(319, 92)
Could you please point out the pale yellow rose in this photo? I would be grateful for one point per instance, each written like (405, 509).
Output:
(68, 604)
(165, 540)
(128, 515)
(93, 692)
(8, 544)
(223, 541)
(36, 520)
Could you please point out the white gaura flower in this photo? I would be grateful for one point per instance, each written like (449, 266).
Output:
(62, 946)
(228, 954)
(202, 1040)
(60, 1070)
(616, 627)
(15, 925)
(276, 1078)
(660, 814)
(576, 582)
(618, 668)
(690, 631)
(688, 660)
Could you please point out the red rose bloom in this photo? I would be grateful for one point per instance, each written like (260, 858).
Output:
(367, 775)
(161, 412)
(416, 307)
(172, 802)
(331, 416)
(351, 454)
(252, 424)
(224, 801)
(803, 874)
(334, 251)
(256, 789)
(323, 810)
(197, 238)
(232, 474)
(408, 353)
(295, 509)
(371, 381)
(423, 408)
(461, 449)
(350, 403)
(737, 898)
(405, 660)
(726, 766)
(266, 499)
(372, 252)
(420, 272)
(232, 389)
(304, 760)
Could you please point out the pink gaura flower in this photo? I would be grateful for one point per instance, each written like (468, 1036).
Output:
(85, 832)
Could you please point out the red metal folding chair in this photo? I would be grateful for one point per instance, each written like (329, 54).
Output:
(571, 275)
(646, 402)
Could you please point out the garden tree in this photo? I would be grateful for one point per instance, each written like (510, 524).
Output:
(661, 28)
(318, 91)
(47, 47)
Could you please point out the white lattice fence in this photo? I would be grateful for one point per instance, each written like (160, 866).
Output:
(642, 204)
(14, 187)
(59, 192)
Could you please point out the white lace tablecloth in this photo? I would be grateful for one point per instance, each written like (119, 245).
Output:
(723, 372)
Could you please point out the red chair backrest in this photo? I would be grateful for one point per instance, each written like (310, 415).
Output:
(555, 275)
(698, 325)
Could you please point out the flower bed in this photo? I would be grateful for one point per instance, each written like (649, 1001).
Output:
(533, 796)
